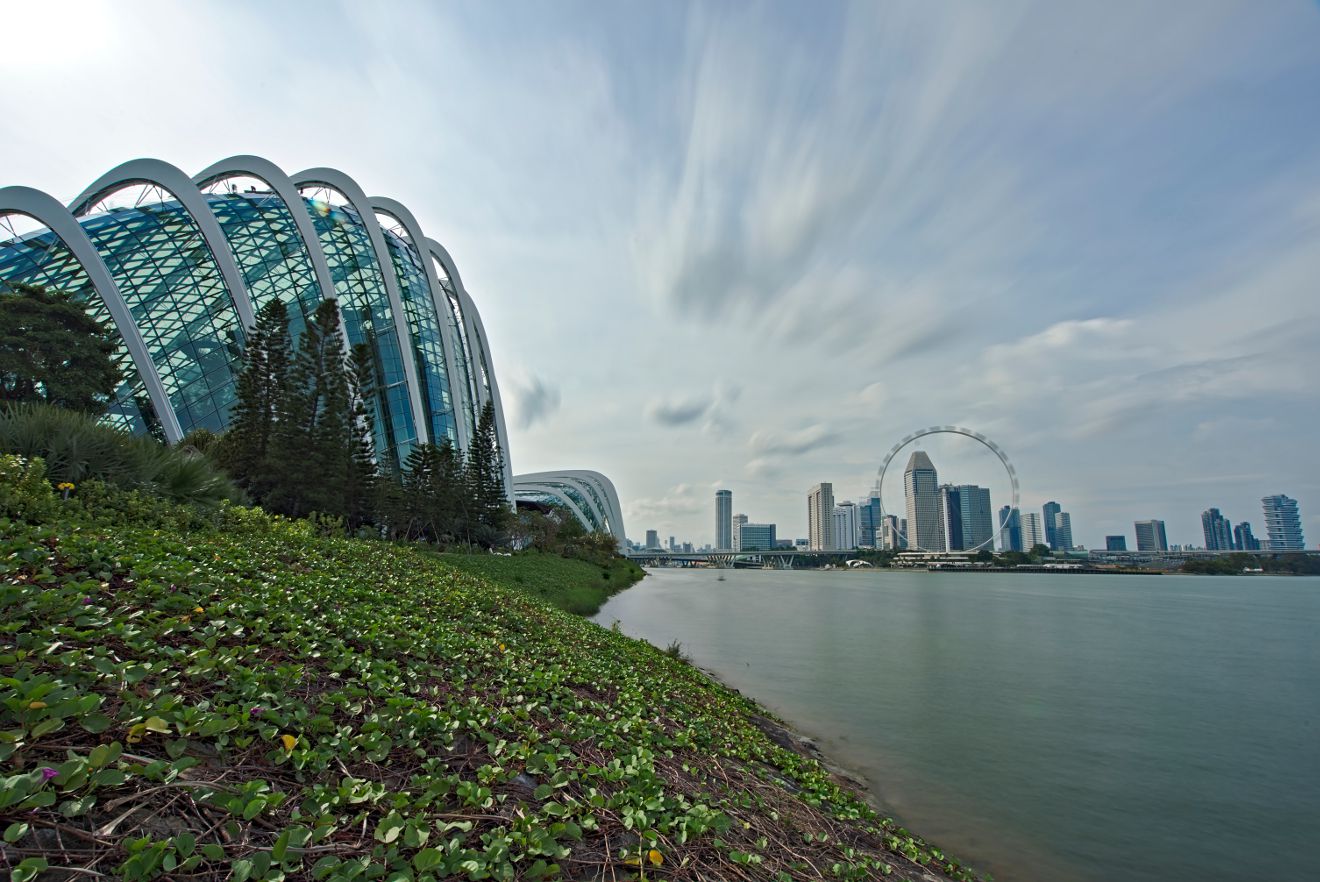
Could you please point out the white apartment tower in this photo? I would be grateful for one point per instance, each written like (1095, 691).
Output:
(847, 526)
(820, 517)
(738, 521)
(724, 520)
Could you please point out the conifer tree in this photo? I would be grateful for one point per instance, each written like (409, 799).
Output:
(363, 473)
(310, 450)
(489, 516)
(262, 387)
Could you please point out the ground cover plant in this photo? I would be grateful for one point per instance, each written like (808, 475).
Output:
(573, 585)
(222, 694)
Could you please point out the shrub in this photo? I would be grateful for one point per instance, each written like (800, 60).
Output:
(25, 494)
(77, 448)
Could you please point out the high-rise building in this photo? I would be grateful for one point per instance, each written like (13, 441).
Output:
(738, 521)
(1151, 536)
(847, 526)
(1243, 540)
(868, 515)
(1283, 524)
(756, 537)
(1010, 529)
(723, 520)
(652, 540)
(951, 515)
(978, 524)
(1048, 511)
(925, 517)
(1063, 531)
(673, 546)
(893, 533)
(1033, 532)
(1115, 543)
(820, 517)
(1218, 532)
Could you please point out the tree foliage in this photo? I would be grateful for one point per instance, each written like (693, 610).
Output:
(53, 352)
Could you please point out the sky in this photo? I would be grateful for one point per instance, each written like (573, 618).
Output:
(753, 246)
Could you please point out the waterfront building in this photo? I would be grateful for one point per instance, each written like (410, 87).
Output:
(1048, 511)
(756, 537)
(925, 514)
(1033, 532)
(1115, 543)
(1010, 529)
(820, 517)
(951, 515)
(723, 520)
(1218, 532)
(847, 526)
(1243, 540)
(178, 267)
(652, 540)
(976, 514)
(1063, 536)
(1283, 524)
(868, 515)
(893, 533)
(1151, 536)
(738, 521)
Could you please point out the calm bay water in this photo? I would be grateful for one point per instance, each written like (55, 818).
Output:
(1045, 728)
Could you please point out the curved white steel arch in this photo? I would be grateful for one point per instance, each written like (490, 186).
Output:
(282, 186)
(601, 486)
(477, 331)
(337, 180)
(563, 498)
(48, 210)
(405, 217)
(180, 186)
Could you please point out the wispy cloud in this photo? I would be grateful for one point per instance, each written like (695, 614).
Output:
(534, 401)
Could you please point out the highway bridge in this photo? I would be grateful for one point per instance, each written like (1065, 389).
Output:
(781, 559)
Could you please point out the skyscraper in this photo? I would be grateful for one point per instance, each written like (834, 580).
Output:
(1010, 529)
(1048, 511)
(1283, 524)
(1151, 536)
(1243, 540)
(893, 533)
(847, 526)
(652, 540)
(1033, 533)
(1217, 530)
(924, 515)
(1063, 531)
(820, 517)
(738, 521)
(978, 523)
(723, 520)
(1115, 543)
(951, 514)
(868, 515)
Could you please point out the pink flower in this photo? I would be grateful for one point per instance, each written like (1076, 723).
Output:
(87, 601)
(256, 711)
(47, 773)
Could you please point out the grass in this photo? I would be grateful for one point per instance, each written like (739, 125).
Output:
(227, 695)
(572, 585)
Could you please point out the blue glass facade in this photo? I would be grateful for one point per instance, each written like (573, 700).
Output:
(167, 262)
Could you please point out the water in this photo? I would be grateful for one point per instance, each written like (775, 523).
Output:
(1047, 728)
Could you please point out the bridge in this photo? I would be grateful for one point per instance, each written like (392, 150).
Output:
(779, 559)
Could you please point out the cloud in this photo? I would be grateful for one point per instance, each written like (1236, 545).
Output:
(534, 401)
(678, 503)
(793, 443)
(680, 412)
(713, 410)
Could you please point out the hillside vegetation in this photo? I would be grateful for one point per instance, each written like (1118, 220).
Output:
(573, 585)
(221, 694)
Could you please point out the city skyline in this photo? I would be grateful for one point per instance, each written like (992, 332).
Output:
(739, 206)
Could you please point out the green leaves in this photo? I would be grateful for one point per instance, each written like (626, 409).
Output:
(419, 748)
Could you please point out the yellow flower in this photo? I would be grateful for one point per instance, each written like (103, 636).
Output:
(655, 857)
(198, 609)
(502, 649)
(288, 741)
(64, 485)
(36, 705)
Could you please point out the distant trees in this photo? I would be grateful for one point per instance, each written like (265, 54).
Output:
(301, 441)
(53, 352)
